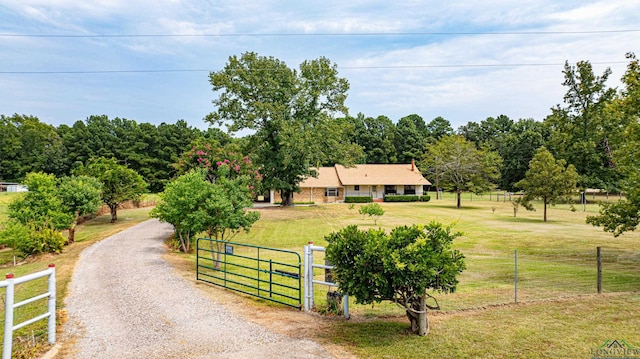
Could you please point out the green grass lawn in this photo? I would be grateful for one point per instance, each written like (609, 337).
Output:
(558, 313)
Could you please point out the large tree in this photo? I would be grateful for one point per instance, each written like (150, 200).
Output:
(291, 114)
(624, 215)
(119, 183)
(458, 166)
(411, 137)
(28, 145)
(376, 136)
(517, 147)
(548, 180)
(583, 132)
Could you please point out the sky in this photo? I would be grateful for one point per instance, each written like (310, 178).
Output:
(149, 61)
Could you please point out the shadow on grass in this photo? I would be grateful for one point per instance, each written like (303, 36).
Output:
(372, 335)
(526, 220)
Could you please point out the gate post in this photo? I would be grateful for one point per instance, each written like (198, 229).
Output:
(308, 277)
(8, 317)
(51, 324)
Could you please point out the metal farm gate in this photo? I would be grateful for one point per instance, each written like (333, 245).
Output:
(268, 273)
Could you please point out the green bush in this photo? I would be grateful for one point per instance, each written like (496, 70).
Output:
(358, 199)
(425, 198)
(401, 198)
(41, 240)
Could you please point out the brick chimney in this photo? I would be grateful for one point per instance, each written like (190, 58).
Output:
(413, 165)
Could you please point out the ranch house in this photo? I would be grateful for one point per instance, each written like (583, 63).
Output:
(335, 183)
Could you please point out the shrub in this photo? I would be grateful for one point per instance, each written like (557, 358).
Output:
(404, 266)
(402, 198)
(41, 240)
(358, 199)
(425, 198)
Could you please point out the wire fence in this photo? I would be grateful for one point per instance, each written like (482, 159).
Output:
(520, 276)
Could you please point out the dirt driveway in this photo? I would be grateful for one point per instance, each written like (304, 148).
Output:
(125, 301)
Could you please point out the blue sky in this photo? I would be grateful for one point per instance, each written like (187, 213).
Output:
(462, 60)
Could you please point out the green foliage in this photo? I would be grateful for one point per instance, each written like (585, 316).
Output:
(358, 199)
(28, 145)
(32, 239)
(401, 266)
(411, 137)
(373, 210)
(181, 205)
(80, 195)
(425, 198)
(291, 113)
(119, 183)
(624, 215)
(458, 166)
(14, 233)
(376, 136)
(42, 240)
(42, 204)
(193, 204)
(211, 157)
(548, 180)
(585, 133)
(401, 198)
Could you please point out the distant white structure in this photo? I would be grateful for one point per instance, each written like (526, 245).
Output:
(12, 187)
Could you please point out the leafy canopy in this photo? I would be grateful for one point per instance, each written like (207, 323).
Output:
(119, 183)
(458, 166)
(400, 266)
(547, 179)
(292, 114)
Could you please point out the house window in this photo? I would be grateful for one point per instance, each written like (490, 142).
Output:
(356, 187)
(409, 189)
(331, 192)
(389, 189)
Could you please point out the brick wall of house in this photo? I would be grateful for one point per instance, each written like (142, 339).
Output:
(315, 195)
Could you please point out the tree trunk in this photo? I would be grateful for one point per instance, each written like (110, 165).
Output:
(114, 212)
(545, 208)
(459, 195)
(418, 316)
(287, 198)
(423, 322)
(72, 233)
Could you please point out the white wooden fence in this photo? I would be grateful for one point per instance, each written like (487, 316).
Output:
(9, 283)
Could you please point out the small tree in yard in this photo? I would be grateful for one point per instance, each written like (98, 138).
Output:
(374, 210)
(80, 197)
(180, 205)
(400, 266)
(548, 180)
(193, 204)
(119, 182)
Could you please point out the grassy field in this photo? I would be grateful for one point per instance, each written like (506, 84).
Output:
(558, 313)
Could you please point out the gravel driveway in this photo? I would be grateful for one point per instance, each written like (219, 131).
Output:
(126, 302)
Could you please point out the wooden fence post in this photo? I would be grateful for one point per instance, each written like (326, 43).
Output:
(599, 259)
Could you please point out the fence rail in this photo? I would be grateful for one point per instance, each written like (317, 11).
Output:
(9, 326)
(490, 278)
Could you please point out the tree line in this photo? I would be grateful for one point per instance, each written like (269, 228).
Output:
(29, 145)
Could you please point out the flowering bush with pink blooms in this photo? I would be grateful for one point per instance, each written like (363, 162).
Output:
(218, 161)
